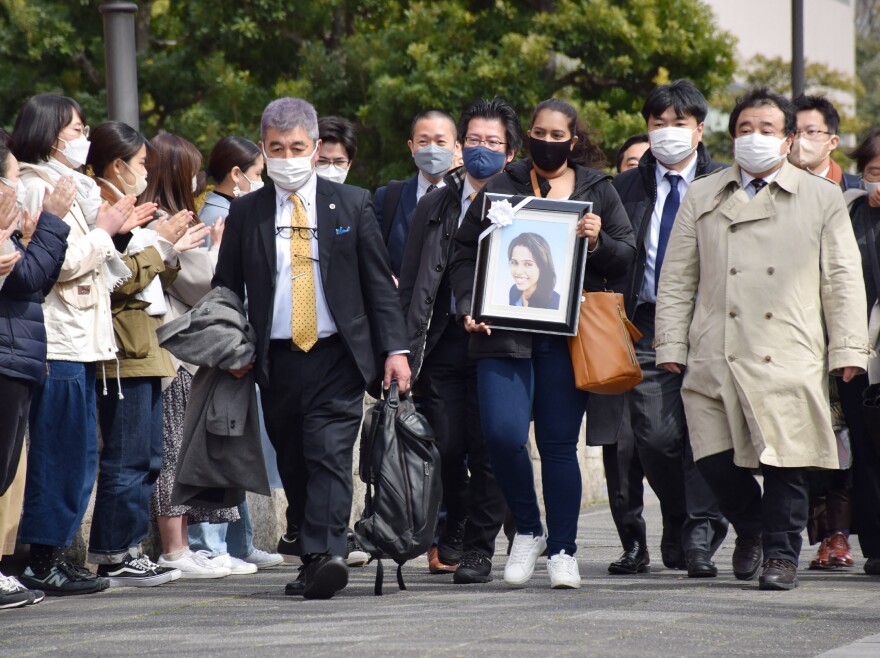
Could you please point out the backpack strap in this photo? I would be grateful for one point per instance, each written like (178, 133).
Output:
(380, 577)
(393, 191)
(400, 582)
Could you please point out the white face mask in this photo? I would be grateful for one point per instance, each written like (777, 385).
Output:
(140, 182)
(871, 187)
(757, 153)
(332, 172)
(195, 184)
(76, 151)
(671, 145)
(290, 173)
(255, 185)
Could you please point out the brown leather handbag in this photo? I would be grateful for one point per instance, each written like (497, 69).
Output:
(602, 352)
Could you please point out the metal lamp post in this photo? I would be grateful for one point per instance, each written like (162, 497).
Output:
(797, 48)
(121, 62)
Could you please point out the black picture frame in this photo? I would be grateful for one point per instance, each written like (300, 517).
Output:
(547, 308)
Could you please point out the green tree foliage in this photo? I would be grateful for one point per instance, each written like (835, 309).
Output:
(208, 67)
(868, 60)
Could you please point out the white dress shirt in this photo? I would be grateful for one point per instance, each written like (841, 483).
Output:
(664, 187)
(283, 300)
(466, 190)
(748, 178)
(424, 184)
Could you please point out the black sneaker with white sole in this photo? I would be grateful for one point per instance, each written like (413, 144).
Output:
(357, 556)
(13, 594)
(64, 579)
(135, 572)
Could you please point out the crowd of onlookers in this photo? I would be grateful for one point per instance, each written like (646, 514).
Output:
(754, 350)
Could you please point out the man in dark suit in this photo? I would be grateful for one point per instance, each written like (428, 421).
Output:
(693, 526)
(308, 254)
(433, 146)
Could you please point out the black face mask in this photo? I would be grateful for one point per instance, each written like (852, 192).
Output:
(549, 156)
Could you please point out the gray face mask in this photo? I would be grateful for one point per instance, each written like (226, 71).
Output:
(433, 160)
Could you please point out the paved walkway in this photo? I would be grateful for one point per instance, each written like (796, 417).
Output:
(657, 614)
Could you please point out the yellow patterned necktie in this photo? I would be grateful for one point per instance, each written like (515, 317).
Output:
(304, 318)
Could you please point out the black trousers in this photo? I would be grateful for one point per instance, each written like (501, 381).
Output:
(624, 477)
(312, 408)
(691, 516)
(865, 468)
(446, 392)
(16, 396)
(779, 515)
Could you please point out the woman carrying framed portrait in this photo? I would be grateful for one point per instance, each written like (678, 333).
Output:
(523, 375)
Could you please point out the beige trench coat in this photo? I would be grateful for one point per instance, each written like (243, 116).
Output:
(760, 299)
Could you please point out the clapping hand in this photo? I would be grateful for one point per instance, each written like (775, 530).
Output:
(58, 201)
(113, 218)
(9, 211)
(194, 237)
(8, 261)
(216, 232)
(139, 216)
(174, 228)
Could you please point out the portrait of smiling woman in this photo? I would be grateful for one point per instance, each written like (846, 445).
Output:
(534, 277)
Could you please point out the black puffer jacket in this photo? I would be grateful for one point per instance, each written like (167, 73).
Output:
(606, 267)
(22, 331)
(637, 188)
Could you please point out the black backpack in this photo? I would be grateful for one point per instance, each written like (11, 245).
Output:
(400, 465)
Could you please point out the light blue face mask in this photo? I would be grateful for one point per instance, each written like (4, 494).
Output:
(433, 160)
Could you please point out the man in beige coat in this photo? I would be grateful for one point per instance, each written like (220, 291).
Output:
(761, 295)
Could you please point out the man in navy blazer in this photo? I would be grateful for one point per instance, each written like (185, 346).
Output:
(434, 148)
(312, 380)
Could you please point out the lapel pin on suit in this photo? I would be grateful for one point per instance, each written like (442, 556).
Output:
(332, 206)
(342, 231)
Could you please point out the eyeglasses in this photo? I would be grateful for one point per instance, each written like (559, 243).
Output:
(812, 133)
(473, 140)
(339, 162)
(302, 232)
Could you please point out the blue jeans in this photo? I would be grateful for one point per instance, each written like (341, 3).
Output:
(63, 454)
(511, 392)
(236, 538)
(130, 463)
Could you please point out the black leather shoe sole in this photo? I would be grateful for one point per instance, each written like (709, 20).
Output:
(777, 585)
(326, 580)
(628, 570)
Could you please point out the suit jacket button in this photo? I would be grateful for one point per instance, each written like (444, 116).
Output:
(733, 229)
(768, 359)
(418, 332)
(771, 270)
(429, 300)
(731, 358)
(733, 270)
(439, 268)
(768, 315)
(733, 314)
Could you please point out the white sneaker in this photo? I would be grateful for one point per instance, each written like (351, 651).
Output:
(195, 565)
(236, 567)
(264, 560)
(523, 554)
(563, 570)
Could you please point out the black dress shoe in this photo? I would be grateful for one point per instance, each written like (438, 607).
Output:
(747, 557)
(700, 565)
(673, 556)
(872, 566)
(633, 560)
(324, 576)
(298, 586)
(778, 575)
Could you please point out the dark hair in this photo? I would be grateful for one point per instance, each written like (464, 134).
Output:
(231, 152)
(822, 105)
(38, 124)
(763, 97)
(5, 139)
(110, 141)
(540, 250)
(867, 149)
(171, 164)
(5, 152)
(499, 109)
(585, 152)
(336, 130)
(641, 138)
(682, 96)
(433, 113)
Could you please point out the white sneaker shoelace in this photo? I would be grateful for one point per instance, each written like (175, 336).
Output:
(522, 546)
(10, 585)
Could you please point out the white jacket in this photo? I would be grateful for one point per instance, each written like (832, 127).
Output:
(79, 326)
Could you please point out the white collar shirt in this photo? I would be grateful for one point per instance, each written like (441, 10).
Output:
(466, 191)
(748, 178)
(283, 298)
(424, 184)
(664, 187)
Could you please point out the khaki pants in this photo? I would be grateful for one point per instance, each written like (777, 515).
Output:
(10, 507)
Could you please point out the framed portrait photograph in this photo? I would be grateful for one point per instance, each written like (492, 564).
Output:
(530, 264)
